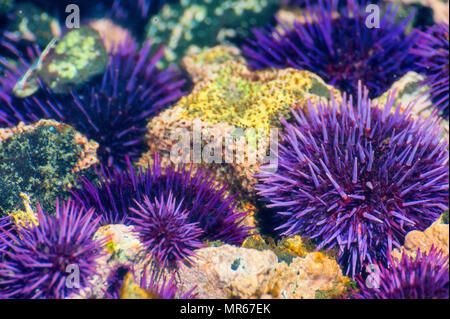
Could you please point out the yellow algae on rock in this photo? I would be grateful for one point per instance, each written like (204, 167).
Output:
(295, 245)
(235, 102)
(122, 243)
(131, 290)
(25, 218)
(245, 99)
(437, 235)
(237, 272)
(202, 64)
(42, 160)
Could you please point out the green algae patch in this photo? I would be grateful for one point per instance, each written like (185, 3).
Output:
(40, 163)
(286, 249)
(445, 218)
(78, 57)
(336, 292)
(205, 23)
(5, 6)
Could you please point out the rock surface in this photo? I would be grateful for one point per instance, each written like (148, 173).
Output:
(436, 235)
(222, 272)
(236, 272)
(122, 250)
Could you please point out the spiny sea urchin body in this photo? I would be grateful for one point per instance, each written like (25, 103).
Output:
(340, 49)
(208, 204)
(165, 229)
(5, 225)
(358, 177)
(424, 276)
(39, 260)
(113, 110)
(433, 48)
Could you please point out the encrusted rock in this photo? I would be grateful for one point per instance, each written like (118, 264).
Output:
(436, 235)
(206, 63)
(75, 59)
(123, 249)
(221, 272)
(409, 90)
(235, 103)
(112, 34)
(234, 272)
(205, 23)
(41, 161)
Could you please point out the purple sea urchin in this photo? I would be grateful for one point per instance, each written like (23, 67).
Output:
(433, 49)
(424, 276)
(208, 204)
(37, 263)
(5, 225)
(115, 112)
(358, 177)
(342, 50)
(165, 229)
(112, 111)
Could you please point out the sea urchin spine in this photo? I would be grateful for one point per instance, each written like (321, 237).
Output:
(336, 44)
(433, 49)
(165, 230)
(38, 261)
(424, 276)
(209, 204)
(358, 177)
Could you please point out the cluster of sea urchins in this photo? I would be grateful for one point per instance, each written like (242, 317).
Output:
(433, 48)
(174, 209)
(358, 177)
(113, 111)
(336, 44)
(40, 258)
(424, 276)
